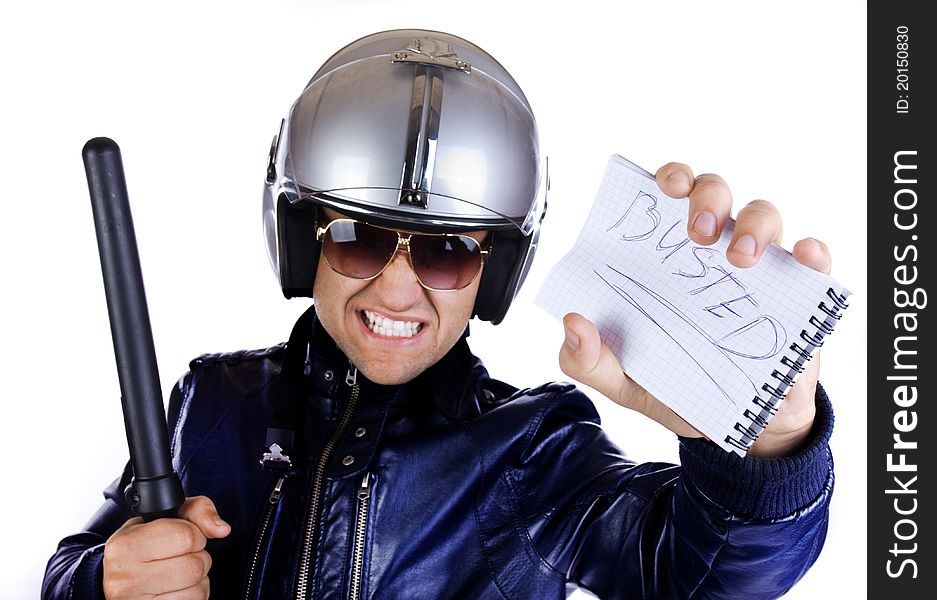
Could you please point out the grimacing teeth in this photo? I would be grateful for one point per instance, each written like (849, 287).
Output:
(389, 327)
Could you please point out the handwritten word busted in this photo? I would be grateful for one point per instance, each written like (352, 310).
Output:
(709, 303)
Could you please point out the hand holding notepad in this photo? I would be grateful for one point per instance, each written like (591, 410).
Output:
(718, 344)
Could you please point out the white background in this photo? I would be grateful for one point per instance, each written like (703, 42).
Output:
(771, 97)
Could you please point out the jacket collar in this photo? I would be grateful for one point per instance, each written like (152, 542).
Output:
(311, 370)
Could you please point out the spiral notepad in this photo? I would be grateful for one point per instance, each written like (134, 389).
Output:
(718, 344)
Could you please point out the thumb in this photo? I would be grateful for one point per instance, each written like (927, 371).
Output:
(587, 360)
(201, 511)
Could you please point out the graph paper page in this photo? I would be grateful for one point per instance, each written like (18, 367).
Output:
(700, 334)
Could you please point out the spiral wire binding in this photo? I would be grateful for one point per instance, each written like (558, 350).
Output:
(764, 408)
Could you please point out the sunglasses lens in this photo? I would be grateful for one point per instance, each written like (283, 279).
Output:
(358, 250)
(448, 262)
(361, 251)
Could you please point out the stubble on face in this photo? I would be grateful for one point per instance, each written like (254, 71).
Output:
(346, 307)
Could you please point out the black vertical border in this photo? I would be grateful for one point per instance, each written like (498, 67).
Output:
(894, 254)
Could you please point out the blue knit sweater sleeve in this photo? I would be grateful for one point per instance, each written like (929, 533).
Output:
(763, 488)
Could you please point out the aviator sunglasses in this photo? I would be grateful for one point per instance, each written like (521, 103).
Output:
(442, 262)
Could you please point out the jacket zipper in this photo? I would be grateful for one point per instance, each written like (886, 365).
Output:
(361, 524)
(264, 524)
(302, 583)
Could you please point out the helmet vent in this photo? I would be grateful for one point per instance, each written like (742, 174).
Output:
(422, 135)
(433, 52)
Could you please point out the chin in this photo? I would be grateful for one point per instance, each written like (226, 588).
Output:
(381, 374)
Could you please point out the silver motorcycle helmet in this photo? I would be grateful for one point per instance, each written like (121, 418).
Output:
(415, 130)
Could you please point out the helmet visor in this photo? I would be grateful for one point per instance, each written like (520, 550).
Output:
(420, 145)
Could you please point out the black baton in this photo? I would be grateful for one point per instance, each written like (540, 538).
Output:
(155, 490)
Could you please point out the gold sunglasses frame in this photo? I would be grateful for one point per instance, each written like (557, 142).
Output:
(403, 243)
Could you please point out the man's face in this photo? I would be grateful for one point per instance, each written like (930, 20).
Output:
(351, 310)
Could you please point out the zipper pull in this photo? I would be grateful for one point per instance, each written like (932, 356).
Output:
(275, 494)
(352, 376)
(364, 490)
(307, 363)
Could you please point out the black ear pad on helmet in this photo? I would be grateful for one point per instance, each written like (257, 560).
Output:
(500, 276)
(297, 247)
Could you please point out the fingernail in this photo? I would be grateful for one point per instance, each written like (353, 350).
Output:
(745, 245)
(217, 521)
(705, 224)
(679, 177)
(572, 340)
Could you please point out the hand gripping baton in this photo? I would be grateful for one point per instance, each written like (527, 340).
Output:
(155, 490)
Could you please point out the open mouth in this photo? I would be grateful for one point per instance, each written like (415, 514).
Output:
(381, 325)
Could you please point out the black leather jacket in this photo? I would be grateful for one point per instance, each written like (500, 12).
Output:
(459, 486)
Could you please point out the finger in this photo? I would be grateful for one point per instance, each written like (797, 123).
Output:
(757, 225)
(586, 359)
(813, 253)
(177, 574)
(675, 179)
(201, 511)
(710, 207)
(156, 540)
(130, 525)
(199, 591)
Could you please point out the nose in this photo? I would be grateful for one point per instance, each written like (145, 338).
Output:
(398, 285)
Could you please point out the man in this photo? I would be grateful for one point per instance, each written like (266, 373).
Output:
(372, 456)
